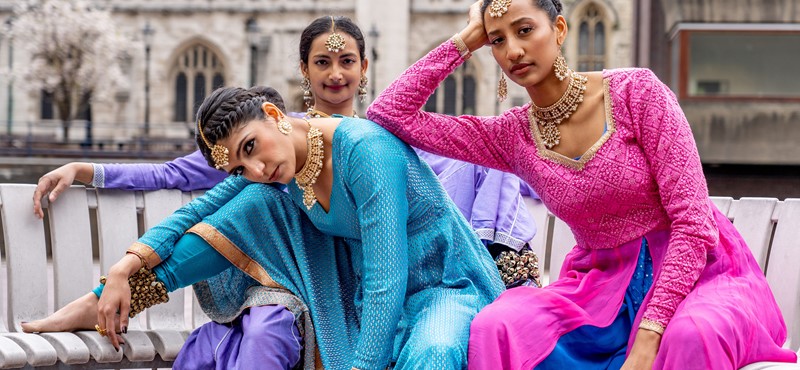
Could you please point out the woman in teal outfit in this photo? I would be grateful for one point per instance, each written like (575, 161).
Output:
(421, 273)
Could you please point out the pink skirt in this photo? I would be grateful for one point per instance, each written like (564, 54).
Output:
(730, 319)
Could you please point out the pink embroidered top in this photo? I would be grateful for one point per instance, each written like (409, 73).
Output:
(643, 174)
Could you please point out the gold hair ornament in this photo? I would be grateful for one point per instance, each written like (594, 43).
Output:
(308, 175)
(498, 7)
(335, 42)
(219, 153)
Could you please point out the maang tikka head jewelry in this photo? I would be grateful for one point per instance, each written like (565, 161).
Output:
(498, 7)
(219, 153)
(335, 42)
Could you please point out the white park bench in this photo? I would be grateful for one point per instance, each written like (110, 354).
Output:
(33, 285)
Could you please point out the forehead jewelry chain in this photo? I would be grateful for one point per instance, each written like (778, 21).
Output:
(307, 176)
(552, 116)
(335, 41)
(219, 153)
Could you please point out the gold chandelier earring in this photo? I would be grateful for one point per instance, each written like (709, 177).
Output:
(362, 88)
(560, 67)
(502, 87)
(305, 85)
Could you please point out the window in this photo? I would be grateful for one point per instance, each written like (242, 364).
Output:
(197, 72)
(747, 64)
(456, 95)
(47, 107)
(591, 39)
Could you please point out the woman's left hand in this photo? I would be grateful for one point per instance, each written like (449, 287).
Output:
(644, 350)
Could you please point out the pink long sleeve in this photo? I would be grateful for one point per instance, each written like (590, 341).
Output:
(669, 147)
(481, 140)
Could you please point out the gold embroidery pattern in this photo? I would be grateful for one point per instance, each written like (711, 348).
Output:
(232, 253)
(146, 253)
(577, 165)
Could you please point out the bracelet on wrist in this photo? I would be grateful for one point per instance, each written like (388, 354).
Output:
(651, 325)
(463, 50)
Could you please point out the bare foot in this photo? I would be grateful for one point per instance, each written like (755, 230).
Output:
(80, 314)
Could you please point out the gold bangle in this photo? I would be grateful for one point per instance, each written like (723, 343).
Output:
(651, 325)
(463, 50)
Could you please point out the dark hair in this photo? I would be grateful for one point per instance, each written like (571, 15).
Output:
(321, 26)
(552, 7)
(229, 107)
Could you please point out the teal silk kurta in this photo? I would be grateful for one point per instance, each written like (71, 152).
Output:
(415, 257)
(393, 272)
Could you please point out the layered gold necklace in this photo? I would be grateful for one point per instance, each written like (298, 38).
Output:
(308, 175)
(551, 116)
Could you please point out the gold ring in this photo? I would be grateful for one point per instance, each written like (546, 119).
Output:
(100, 330)
(103, 279)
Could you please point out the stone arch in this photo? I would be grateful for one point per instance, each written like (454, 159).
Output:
(591, 25)
(197, 67)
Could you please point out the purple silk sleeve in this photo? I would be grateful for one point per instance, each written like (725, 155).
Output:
(187, 173)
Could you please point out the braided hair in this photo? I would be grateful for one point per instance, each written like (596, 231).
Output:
(227, 108)
(553, 8)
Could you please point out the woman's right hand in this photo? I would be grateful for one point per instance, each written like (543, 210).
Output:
(56, 181)
(115, 301)
(474, 34)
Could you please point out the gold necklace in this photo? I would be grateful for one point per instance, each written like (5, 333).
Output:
(315, 113)
(308, 175)
(551, 116)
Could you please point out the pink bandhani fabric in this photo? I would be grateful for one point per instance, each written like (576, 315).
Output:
(643, 178)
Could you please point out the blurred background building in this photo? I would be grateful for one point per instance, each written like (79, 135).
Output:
(730, 62)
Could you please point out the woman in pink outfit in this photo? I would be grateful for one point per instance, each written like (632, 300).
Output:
(659, 278)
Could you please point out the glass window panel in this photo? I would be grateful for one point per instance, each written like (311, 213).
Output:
(199, 92)
(468, 95)
(47, 105)
(430, 105)
(583, 38)
(599, 39)
(450, 96)
(743, 64)
(217, 82)
(180, 98)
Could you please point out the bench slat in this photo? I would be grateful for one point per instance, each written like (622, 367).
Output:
(782, 272)
(26, 256)
(71, 242)
(753, 218)
(563, 242)
(117, 228)
(166, 320)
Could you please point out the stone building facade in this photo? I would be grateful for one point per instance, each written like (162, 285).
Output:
(729, 61)
(197, 45)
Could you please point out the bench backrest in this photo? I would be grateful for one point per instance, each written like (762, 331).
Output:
(110, 219)
(770, 227)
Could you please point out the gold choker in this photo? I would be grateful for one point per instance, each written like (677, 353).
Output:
(550, 117)
(308, 175)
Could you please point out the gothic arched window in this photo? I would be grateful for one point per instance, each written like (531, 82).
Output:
(591, 39)
(197, 72)
(456, 95)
